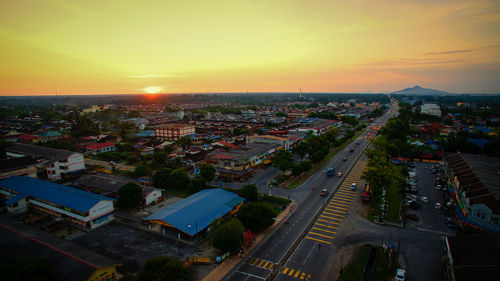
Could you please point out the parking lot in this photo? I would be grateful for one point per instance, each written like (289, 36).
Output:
(132, 247)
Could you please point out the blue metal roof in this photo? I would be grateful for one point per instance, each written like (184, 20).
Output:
(197, 211)
(66, 196)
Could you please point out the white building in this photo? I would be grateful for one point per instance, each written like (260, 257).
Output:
(55, 161)
(431, 109)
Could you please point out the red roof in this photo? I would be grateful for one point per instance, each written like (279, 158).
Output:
(100, 145)
(225, 143)
(27, 137)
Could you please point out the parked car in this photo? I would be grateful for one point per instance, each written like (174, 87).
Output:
(400, 274)
(324, 192)
(437, 205)
(353, 186)
(424, 199)
(412, 217)
(345, 159)
(414, 205)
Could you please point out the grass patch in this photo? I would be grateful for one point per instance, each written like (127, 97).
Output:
(385, 265)
(354, 270)
(177, 193)
(394, 202)
(278, 204)
(318, 166)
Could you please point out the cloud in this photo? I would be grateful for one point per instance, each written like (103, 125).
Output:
(462, 50)
(408, 62)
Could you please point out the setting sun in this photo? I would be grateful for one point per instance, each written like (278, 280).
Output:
(152, 89)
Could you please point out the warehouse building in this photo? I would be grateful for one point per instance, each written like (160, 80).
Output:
(78, 207)
(192, 216)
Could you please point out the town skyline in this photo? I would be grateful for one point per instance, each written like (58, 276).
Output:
(68, 48)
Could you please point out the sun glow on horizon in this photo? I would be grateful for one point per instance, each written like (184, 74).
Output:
(152, 89)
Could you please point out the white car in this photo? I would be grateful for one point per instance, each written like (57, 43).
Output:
(424, 199)
(437, 205)
(353, 186)
(400, 274)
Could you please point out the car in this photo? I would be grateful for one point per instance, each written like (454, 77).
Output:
(353, 186)
(339, 174)
(437, 205)
(330, 172)
(414, 205)
(324, 192)
(400, 274)
(351, 150)
(357, 143)
(438, 187)
(424, 199)
(412, 217)
(345, 159)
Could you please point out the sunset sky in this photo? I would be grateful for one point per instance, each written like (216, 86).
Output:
(124, 47)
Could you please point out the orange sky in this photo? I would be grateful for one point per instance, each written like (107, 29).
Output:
(122, 46)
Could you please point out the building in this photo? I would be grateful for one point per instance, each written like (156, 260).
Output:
(472, 257)
(56, 162)
(67, 260)
(109, 185)
(49, 136)
(173, 131)
(97, 148)
(474, 182)
(240, 163)
(431, 109)
(191, 217)
(21, 166)
(283, 142)
(78, 207)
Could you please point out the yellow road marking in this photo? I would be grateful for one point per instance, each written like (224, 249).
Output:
(343, 196)
(271, 266)
(336, 209)
(341, 200)
(334, 203)
(254, 261)
(337, 219)
(296, 274)
(265, 265)
(322, 241)
(302, 276)
(329, 221)
(324, 230)
(284, 271)
(260, 264)
(308, 277)
(327, 225)
(314, 233)
(342, 192)
(334, 214)
(291, 272)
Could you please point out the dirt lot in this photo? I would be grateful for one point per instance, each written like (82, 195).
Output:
(130, 246)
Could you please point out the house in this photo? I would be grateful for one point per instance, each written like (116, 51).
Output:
(21, 166)
(56, 162)
(192, 216)
(78, 207)
(474, 182)
(49, 136)
(100, 148)
(281, 141)
(109, 185)
(431, 109)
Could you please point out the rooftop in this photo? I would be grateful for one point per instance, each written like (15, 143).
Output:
(62, 195)
(40, 151)
(16, 163)
(197, 211)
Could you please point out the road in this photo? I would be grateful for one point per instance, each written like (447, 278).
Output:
(268, 256)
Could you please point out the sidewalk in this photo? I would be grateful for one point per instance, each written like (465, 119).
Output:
(222, 269)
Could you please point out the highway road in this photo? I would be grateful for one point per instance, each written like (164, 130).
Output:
(270, 256)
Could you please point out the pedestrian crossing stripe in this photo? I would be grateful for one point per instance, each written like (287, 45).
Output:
(296, 274)
(314, 233)
(320, 224)
(337, 209)
(261, 263)
(343, 196)
(333, 232)
(345, 200)
(335, 203)
(291, 272)
(346, 192)
(333, 214)
(329, 221)
(337, 219)
(319, 240)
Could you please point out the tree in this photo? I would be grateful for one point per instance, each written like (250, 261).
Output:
(197, 183)
(302, 148)
(185, 142)
(163, 268)
(207, 171)
(83, 126)
(130, 196)
(283, 160)
(229, 236)
(250, 192)
(141, 171)
(161, 178)
(281, 114)
(31, 268)
(256, 216)
(179, 179)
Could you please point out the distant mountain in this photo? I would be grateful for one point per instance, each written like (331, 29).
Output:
(419, 91)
